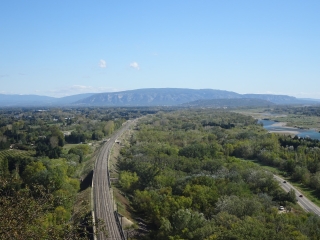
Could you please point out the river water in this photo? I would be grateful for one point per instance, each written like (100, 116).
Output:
(303, 133)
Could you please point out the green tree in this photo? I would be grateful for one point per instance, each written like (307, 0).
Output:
(108, 128)
(35, 173)
(127, 180)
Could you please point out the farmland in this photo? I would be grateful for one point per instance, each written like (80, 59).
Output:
(15, 153)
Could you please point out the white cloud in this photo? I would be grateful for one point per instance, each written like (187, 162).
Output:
(134, 65)
(102, 63)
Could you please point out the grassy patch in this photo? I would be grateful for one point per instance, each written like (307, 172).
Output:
(274, 170)
(82, 206)
(67, 147)
(122, 203)
(259, 113)
(113, 160)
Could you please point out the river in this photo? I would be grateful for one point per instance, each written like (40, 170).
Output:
(279, 127)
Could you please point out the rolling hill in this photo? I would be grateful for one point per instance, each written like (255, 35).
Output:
(152, 97)
(155, 97)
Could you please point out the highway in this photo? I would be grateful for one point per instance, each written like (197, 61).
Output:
(304, 202)
(103, 203)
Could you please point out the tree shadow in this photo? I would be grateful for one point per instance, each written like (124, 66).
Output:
(87, 181)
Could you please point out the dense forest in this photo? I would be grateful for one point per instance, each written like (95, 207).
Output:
(43, 154)
(188, 174)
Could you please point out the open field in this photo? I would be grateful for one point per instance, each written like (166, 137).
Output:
(259, 113)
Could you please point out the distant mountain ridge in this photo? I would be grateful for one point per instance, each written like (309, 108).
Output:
(155, 97)
(7, 100)
(277, 99)
(177, 96)
(12, 100)
(148, 97)
(230, 103)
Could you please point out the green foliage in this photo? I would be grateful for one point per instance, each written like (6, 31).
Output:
(192, 183)
(84, 148)
(35, 173)
(237, 206)
(48, 147)
(14, 153)
(127, 180)
(198, 150)
(4, 143)
(25, 212)
(97, 135)
(108, 128)
(77, 151)
(75, 137)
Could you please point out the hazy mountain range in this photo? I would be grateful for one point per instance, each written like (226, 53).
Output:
(229, 103)
(155, 97)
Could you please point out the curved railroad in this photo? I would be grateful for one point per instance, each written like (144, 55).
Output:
(103, 203)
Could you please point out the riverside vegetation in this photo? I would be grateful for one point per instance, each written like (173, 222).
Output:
(186, 174)
(304, 117)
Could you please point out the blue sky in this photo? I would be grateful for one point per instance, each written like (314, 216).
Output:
(58, 48)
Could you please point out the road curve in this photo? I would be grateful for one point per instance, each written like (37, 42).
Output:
(103, 203)
(304, 202)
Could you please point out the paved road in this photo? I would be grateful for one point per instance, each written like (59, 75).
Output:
(103, 203)
(304, 202)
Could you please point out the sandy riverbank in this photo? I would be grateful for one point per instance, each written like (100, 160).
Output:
(280, 124)
(287, 131)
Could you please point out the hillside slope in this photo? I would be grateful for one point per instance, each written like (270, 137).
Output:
(155, 97)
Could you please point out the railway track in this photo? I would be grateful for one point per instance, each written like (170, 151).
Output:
(103, 203)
